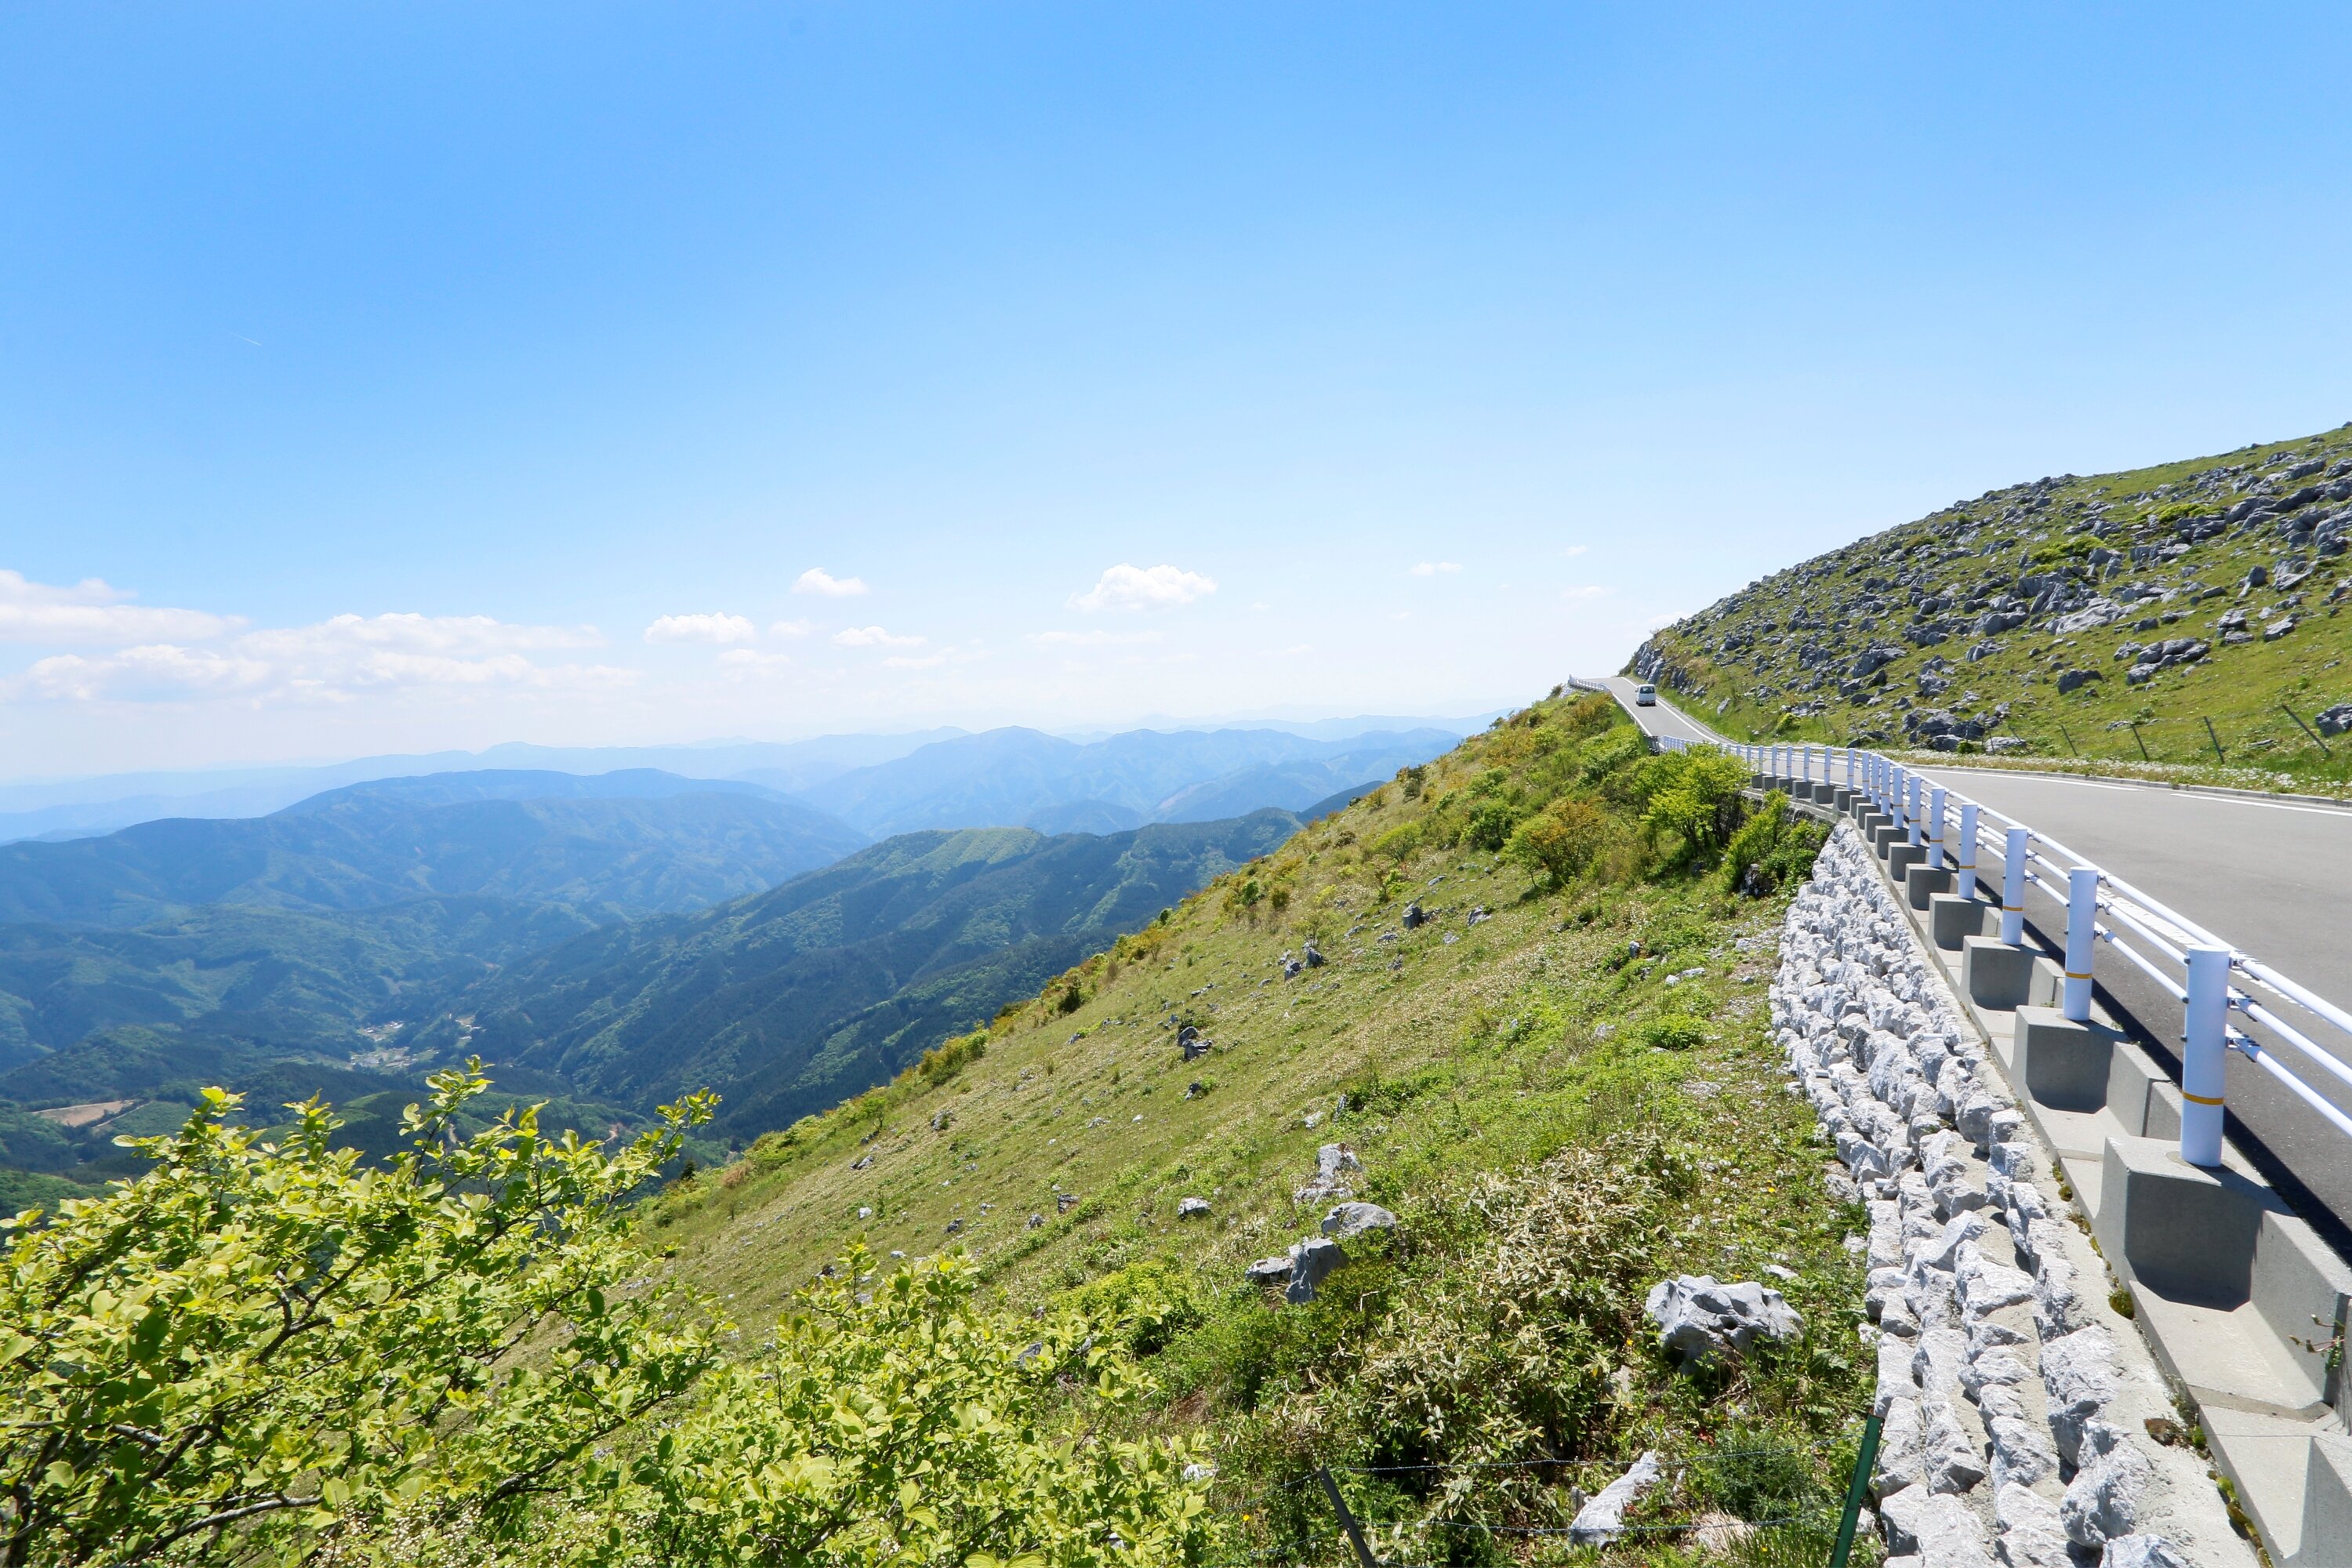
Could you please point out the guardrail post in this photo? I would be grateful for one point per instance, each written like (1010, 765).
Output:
(1919, 807)
(2082, 939)
(2012, 886)
(1849, 768)
(1968, 850)
(1937, 848)
(2203, 1064)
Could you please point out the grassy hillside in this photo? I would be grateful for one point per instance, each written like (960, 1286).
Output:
(2109, 617)
(1561, 1082)
(790, 1001)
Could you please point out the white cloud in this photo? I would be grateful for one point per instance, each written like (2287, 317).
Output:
(873, 636)
(715, 627)
(745, 663)
(1432, 568)
(1576, 549)
(334, 660)
(790, 629)
(408, 633)
(817, 580)
(93, 612)
(158, 672)
(1126, 587)
(1586, 591)
(1088, 639)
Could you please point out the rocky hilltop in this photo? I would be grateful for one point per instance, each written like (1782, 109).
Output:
(2185, 612)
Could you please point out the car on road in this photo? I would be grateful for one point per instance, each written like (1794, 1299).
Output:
(1646, 696)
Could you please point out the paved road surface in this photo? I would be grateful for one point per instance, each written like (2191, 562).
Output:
(2271, 878)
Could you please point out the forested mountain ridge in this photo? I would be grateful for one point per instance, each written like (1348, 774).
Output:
(789, 1001)
(2112, 617)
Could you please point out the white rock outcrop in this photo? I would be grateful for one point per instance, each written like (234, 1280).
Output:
(2001, 1439)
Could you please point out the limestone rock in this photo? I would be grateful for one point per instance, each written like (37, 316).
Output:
(1953, 1462)
(2142, 1552)
(1191, 1208)
(1937, 1528)
(1697, 1317)
(2031, 1533)
(1270, 1271)
(1902, 1452)
(1354, 1218)
(1602, 1519)
(1310, 1261)
(2102, 1501)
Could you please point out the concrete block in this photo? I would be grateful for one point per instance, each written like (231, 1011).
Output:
(1953, 919)
(2327, 1505)
(1841, 798)
(2062, 1063)
(2163, 1110)
(1996, 975)
(2179, 1231)
(1882, 836)
(2304, 1292)
(2131, 1081)
(1901, 858)
(1923, 883)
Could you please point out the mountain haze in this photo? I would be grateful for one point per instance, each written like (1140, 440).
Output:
(617, 845)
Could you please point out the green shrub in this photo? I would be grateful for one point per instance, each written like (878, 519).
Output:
(1673, 1032)
(1561, 840)
(1491, 822)
(1774, 850)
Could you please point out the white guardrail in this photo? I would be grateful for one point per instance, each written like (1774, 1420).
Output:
(2207, 976)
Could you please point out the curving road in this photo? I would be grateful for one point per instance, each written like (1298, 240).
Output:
(2271, 878)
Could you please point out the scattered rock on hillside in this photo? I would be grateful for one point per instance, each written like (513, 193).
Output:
(1697, 1317)
(1065, 1202)
(1269, 1270)
(1314, 959)
(1354, 1218)
(2335, 721)
(1310, 1261)
(1602, 1520)
(1414, 919)
(1332, 1162)
(2075, 679)
(1191, 1208)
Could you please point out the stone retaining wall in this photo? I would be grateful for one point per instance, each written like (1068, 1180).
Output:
(2024, 1422)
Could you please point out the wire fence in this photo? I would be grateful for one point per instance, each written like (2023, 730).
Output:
(1773, 1506)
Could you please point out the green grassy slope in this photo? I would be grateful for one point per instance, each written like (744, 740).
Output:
(1559, 1119)
(1957, 630)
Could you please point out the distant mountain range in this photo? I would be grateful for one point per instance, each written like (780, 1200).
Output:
(615, 847)
(73, 808)
(1012, 776)
(610, 940)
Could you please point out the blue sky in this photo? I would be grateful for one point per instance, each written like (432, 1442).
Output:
(380, 377)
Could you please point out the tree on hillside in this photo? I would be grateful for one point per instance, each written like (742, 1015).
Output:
(910, 1426)
(265, 1351)
(259, 1342)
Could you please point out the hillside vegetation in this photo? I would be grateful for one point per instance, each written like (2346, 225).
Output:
(1533, 1020)
(2112, 617)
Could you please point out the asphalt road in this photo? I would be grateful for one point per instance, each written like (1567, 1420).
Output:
(2273, 879)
